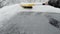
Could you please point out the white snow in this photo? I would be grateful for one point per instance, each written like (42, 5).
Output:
(8, 12)
(13, 9)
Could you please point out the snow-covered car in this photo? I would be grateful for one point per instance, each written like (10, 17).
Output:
(41, 19)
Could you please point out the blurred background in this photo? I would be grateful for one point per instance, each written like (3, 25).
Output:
(10, 2)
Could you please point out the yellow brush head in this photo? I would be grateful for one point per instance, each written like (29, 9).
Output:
(27, 4)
